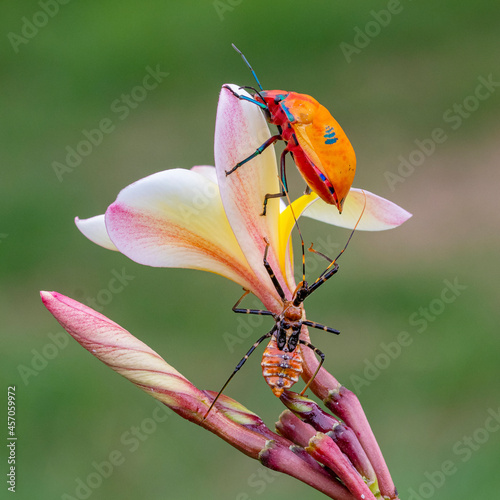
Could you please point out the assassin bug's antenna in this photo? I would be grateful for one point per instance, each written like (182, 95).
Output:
(333, 262)
(333, 266)
(284, 189)
(248, 64)
(326, 274)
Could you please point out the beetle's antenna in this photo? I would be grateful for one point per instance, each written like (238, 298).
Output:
(248, 64)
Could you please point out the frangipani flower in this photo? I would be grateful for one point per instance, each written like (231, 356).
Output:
(203, 219)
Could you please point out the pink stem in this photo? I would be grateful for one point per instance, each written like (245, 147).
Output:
(345, 405)
(324, 450)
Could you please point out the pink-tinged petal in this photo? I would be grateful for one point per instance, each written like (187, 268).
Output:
(95, 230)
(207, 171)
(240, 129)
(175, 218)
(380, 214)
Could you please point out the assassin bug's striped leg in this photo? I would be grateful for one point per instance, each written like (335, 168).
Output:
(319, 326)
(326, 275)
(270, 271)
(243, 359)
(260, 312)
(318, 352)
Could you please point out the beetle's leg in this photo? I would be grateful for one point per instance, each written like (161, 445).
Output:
(258, 151)
(284, 186)
(239, 365)
(321, 355)
(245, 97)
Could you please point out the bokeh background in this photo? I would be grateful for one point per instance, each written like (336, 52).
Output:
(432, 403)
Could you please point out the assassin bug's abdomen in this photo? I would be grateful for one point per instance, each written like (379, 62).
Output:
(281, 369)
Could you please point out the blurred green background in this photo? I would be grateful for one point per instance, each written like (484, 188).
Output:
(413, 73)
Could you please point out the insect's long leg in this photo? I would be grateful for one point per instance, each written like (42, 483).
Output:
(261, 312)
(258, 93)
(239, 365)
(284, 188)
(270, 271)
(313, 250)
(333, 262)
(320, 327)
(321, 355)
(326, 275)
(257, 152)
(246, 98)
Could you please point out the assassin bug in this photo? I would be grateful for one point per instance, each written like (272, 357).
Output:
(321, 150)
(282, 358)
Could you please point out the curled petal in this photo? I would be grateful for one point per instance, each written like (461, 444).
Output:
(241, 129)
(175, 218)
(95, 230)
(380, 214)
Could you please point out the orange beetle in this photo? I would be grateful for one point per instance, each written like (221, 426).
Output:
(321, 150)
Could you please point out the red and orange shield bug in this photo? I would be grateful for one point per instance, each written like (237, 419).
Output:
(321, 150)
(282, 358)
